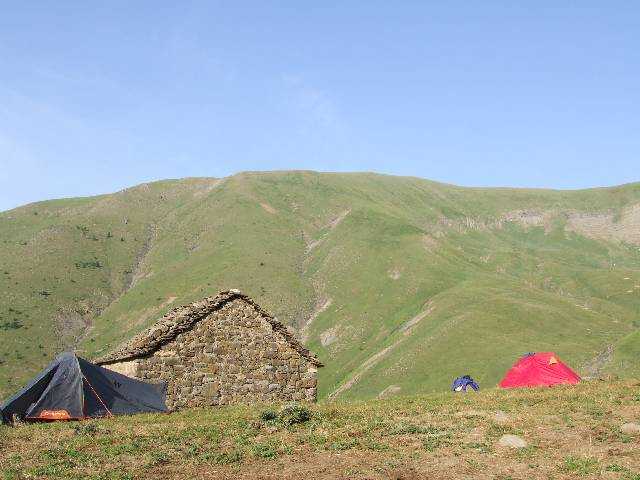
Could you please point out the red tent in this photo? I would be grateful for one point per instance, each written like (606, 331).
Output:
(539, 369)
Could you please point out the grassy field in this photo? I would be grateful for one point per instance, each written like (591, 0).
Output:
(571, 432)
(397, 283)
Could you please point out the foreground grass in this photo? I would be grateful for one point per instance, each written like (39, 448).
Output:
(572, 432)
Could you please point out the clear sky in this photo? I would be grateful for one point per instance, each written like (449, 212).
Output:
(97, 96)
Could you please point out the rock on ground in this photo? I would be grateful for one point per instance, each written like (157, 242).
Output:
(630, 428)
(512, 441)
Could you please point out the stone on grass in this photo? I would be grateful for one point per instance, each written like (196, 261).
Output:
(512, 441)
(630, 428)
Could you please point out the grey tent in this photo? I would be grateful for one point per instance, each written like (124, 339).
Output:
(72, 388)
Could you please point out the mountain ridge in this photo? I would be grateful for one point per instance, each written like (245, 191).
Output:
(354, 257)
(633, 184)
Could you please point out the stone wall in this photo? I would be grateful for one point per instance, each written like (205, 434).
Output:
(231, 356)
(130, 369)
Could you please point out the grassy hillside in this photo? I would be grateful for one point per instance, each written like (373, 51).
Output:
(399, 284)
(571, 432)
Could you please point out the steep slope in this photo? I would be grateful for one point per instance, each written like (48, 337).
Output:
(64, 261)
(393, 281)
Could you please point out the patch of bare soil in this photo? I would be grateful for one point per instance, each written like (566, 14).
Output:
(73, 323)
(137, 271)
(268, 208)
(70, 325)
(607, 226)
(207, 186)
(331, 225)
(321, 305)
(623, 226)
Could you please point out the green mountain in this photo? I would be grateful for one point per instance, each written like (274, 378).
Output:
(398, 284)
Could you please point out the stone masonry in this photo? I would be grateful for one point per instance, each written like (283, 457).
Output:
(221, 350)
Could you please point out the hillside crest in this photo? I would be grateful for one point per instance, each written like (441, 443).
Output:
(351, 261)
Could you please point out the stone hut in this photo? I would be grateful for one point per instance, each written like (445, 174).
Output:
(221, 350)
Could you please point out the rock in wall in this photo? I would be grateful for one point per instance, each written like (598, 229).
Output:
(231, 356)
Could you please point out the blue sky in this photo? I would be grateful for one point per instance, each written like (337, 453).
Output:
(97, 96)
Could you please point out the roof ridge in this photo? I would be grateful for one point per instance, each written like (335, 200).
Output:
(184, 317)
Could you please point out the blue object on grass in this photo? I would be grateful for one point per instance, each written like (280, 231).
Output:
(460, 384)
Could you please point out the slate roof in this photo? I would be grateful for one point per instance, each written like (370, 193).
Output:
(182, 319)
